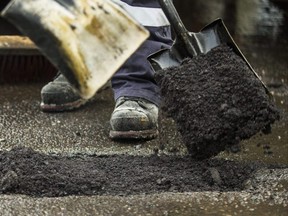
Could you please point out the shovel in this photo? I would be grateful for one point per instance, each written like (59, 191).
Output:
(87, 40)
(190, 44)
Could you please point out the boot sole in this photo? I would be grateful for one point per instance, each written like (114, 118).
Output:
(145, 134)
(62, 107)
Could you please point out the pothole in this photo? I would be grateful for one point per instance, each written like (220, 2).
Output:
(25, 171)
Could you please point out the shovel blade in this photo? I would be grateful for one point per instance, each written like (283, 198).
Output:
(211, 36)
(87, 40)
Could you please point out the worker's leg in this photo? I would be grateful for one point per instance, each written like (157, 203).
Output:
(136, 93)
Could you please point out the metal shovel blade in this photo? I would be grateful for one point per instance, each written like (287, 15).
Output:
(189, 44)
(87, 40)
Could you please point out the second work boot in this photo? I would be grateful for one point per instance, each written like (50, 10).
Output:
(134, 118)
(59, 95)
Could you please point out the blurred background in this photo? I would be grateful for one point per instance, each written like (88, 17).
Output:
(262, 22)
(242, 17)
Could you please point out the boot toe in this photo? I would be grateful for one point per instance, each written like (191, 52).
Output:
(134, 119)
(130, 120)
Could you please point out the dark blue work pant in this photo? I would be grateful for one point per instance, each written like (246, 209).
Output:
(136, 77)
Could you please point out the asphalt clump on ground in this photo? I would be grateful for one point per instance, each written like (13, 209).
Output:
(25, 171)
(216, 101)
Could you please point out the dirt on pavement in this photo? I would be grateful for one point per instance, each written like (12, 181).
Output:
(25, 171)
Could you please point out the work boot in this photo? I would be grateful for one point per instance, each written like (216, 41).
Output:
(134, 118)
(59, 95)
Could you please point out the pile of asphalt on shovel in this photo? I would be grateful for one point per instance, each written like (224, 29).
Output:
(215, 100)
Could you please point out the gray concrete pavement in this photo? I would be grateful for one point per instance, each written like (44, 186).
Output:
(86, 132)
(83, 131)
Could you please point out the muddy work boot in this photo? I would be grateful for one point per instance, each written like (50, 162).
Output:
(59, 95)
(134, 118)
